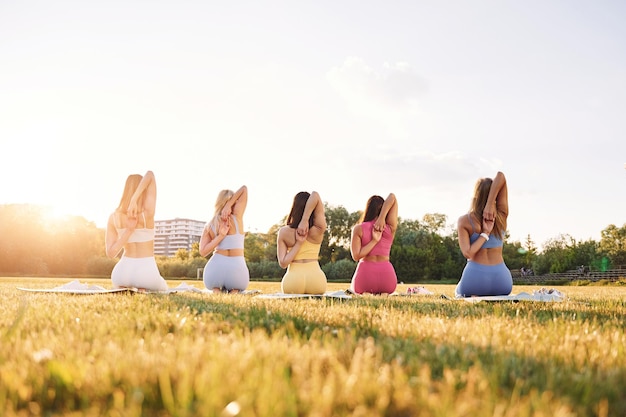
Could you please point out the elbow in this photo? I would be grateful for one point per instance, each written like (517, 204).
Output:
(282, 264)
(467, 253)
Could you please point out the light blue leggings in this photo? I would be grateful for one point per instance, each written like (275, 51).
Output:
(479, 279)
(226, 273)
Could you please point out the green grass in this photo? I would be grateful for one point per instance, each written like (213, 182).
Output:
(222, 355)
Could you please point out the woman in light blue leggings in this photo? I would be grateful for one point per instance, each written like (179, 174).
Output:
(481, 233)
(224, 236)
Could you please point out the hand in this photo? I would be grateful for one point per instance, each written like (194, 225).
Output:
(487, 226)
(489, 212)
(224, 228)
(301, 238)
(379, 226)
(377, 235)
(132, 208)
(303, 228)
(131, 223)
(226, 212)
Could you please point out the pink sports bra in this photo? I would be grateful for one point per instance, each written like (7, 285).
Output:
(383, 247)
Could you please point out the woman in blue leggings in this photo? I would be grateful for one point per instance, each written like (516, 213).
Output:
(481, 233)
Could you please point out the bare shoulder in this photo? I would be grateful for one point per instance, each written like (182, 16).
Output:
(283, 231)
(463, 220)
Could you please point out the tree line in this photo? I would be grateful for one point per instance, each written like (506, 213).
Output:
(423, 250)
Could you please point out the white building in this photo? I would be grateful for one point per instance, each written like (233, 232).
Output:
(171, 235)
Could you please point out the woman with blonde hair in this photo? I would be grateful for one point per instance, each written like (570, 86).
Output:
(298, 245)
(131, 228)
(481, 235)
(224, 235)
(370, 245)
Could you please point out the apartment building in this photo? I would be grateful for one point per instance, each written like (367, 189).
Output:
(174, 234)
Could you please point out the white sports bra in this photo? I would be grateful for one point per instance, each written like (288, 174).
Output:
(139, 235)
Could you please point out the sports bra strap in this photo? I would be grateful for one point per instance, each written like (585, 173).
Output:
(470, 220)
(236, 224)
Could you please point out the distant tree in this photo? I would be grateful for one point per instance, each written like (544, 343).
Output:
(434, 222)
(613, 244)
(336, 243)
(195, 250)
(530, 251)
(254, 245)
(559, 255)
(182, 254)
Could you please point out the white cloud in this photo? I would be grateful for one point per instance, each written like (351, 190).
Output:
(389, 95)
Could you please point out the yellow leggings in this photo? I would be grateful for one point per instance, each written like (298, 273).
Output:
(304, 278)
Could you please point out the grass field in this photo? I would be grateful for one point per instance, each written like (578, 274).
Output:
(193, 354)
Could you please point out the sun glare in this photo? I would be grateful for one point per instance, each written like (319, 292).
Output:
(53, 215)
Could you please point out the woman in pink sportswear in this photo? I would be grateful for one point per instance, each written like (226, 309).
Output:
(370, 246)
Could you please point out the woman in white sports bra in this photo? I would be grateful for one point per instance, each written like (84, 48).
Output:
(131, 228)
(226, 270)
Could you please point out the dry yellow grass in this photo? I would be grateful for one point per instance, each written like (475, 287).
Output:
(214, 355)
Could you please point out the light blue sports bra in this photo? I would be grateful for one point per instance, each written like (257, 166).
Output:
(234, 241)
(493, 242)
(139, 235)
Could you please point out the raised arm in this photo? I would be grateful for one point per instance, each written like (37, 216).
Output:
(315, 207)
(236, 204)
(147, 184)
(388, 214)
(498, 199)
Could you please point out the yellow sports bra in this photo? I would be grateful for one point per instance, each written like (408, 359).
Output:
(308, 250)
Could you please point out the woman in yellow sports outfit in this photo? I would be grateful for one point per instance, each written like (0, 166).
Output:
(298, 246)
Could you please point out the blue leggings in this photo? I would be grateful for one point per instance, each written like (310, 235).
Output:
(226, 273)
(478, 279)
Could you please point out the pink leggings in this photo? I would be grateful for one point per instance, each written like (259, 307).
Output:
(374, 278)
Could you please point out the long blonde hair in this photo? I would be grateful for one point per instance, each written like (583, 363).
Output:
(479, 201)
(222, 198)
(132, 182)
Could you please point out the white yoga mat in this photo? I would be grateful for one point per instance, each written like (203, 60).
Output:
(328, 294)
(76, 287)
(540, 295)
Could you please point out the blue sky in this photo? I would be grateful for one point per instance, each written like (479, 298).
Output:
(349, 98)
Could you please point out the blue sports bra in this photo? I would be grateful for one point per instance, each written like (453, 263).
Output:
(139, 235)
(234, 241)
(493, 242)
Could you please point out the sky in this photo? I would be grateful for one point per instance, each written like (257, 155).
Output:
(347, 98)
